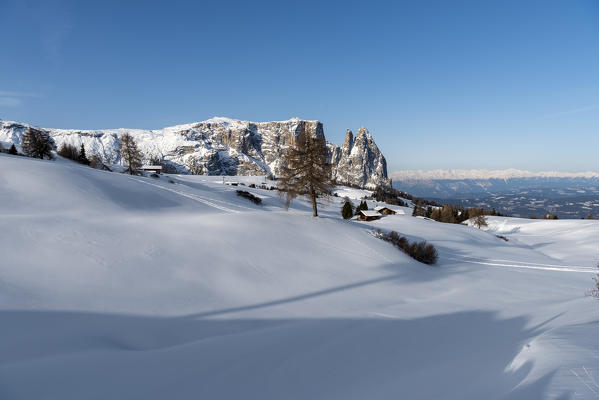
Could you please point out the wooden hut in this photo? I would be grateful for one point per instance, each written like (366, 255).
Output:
(384, 210)
(368, 215)
(152, 168)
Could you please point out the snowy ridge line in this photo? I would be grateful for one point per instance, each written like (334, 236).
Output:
(484, 174)
(561, 269)
(190, 196)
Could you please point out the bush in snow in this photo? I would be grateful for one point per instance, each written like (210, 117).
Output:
(348, 209)
(550, 216)
(480, 221)
(420, 251)
(251, 197)
(13, 150)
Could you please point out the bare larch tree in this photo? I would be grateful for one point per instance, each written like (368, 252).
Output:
(130, 153)
(305, 169)
(36, 143)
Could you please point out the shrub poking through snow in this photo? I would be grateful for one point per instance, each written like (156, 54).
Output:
(251, 197)
(420, 251)
(480, 221)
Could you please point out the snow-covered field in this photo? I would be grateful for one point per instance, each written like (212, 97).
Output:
(119, 287)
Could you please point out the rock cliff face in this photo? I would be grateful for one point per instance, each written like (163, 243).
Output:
(223, 146)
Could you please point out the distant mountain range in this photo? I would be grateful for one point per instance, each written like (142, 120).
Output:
(513, 192)
(484, 174)
(224, 146)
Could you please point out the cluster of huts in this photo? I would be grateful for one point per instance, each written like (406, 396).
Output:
(377, 213)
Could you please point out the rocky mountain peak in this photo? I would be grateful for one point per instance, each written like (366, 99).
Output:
(224, 146)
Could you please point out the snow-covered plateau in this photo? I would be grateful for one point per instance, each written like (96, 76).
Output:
(126, 287)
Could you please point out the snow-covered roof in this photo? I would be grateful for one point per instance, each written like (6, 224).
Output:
(370, 213)
(379, 208)
(152, 167)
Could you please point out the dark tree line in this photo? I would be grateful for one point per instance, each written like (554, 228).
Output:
(393, 196)
(452, 214)
(347, 211)
(70, 151)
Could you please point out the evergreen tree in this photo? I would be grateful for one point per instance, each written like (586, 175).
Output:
(363, 206)
(130, 153)
(36, 143)
(305, 169)
(82, 158)
(13, 150)
(419, 211)
(347, 210)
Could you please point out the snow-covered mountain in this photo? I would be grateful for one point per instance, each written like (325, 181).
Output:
(223, 146)
(447, 184)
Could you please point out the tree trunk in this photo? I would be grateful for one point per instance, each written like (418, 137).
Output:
(313, 196)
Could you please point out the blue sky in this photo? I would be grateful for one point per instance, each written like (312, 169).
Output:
(440, 84)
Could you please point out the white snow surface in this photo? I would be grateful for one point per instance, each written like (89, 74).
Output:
(122, 287)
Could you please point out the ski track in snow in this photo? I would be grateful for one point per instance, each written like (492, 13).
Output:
(527, 265)
(208, 202)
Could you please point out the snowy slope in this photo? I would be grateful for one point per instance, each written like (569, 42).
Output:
(128, 287)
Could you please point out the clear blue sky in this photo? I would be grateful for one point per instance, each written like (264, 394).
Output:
(440, 84)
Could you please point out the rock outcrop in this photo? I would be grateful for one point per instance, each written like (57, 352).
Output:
(223, 146)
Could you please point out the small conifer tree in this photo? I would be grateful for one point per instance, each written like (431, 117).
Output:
(82, 158)
(347, 210)
(13, 150)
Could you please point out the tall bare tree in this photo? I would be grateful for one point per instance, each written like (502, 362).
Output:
(36, 143)
(305, 169)
(130, 153)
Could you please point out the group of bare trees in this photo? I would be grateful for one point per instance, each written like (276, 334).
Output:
(37, 143)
